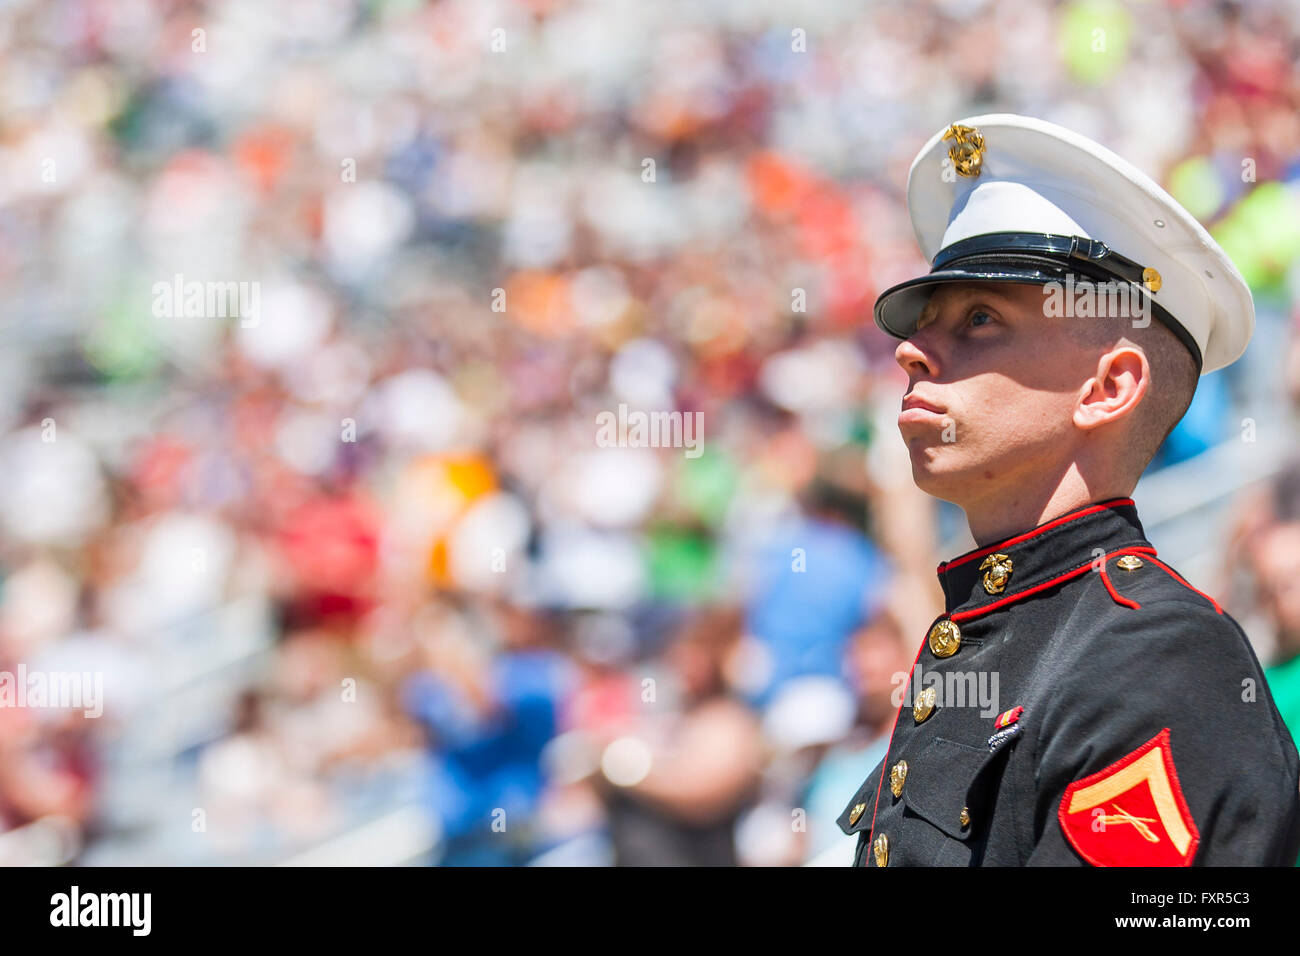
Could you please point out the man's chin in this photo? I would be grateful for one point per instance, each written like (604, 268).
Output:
(934, 474)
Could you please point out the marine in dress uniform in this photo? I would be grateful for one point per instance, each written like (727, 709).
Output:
(1133, 724)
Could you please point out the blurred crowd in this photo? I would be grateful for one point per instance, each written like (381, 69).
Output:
(358, 575)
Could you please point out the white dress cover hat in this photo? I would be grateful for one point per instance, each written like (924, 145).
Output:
(1009, 198)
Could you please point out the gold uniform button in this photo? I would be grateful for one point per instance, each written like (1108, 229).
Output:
(924, 705)
(897, 776)
(881, 850)
(1129, 562)
(945, 638)
(856, 813)
(964, 817)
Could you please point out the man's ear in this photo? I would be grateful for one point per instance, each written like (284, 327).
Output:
(1122, 379)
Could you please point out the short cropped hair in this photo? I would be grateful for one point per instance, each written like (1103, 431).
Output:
(1174, 377)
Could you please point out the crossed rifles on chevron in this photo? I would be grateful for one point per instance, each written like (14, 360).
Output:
(1139, 823)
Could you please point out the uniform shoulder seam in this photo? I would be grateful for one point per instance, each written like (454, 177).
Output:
(1177, 577)
(1117, 595)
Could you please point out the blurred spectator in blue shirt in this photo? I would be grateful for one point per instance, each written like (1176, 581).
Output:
(488, 718)
(818, 577)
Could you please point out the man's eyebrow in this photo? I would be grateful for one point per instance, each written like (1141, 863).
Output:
(963, 297)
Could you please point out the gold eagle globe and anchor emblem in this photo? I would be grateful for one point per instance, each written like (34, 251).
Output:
(967, 150)
(997, 572)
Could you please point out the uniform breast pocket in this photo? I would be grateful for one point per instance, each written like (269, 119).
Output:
(951, 786)
(856, 818)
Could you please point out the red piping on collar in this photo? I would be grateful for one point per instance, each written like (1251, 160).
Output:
(1017, 539)
(978, 611)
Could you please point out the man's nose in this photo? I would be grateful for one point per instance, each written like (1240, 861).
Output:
(914, 360)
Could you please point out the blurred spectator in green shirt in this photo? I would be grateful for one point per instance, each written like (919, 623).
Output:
(1278, 571)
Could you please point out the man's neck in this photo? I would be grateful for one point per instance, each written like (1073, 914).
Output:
(999, 518)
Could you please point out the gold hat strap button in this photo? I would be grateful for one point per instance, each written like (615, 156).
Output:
(945, 638)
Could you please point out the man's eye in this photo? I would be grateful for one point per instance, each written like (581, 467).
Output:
(976, 316)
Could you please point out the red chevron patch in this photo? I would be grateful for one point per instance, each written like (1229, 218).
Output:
(1132, 813)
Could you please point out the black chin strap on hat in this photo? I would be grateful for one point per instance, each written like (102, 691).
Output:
(1064, 255)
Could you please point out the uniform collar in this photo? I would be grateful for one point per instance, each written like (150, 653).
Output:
(997, 574)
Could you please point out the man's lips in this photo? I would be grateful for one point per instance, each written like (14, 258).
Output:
(913, 401)
(916, 410)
